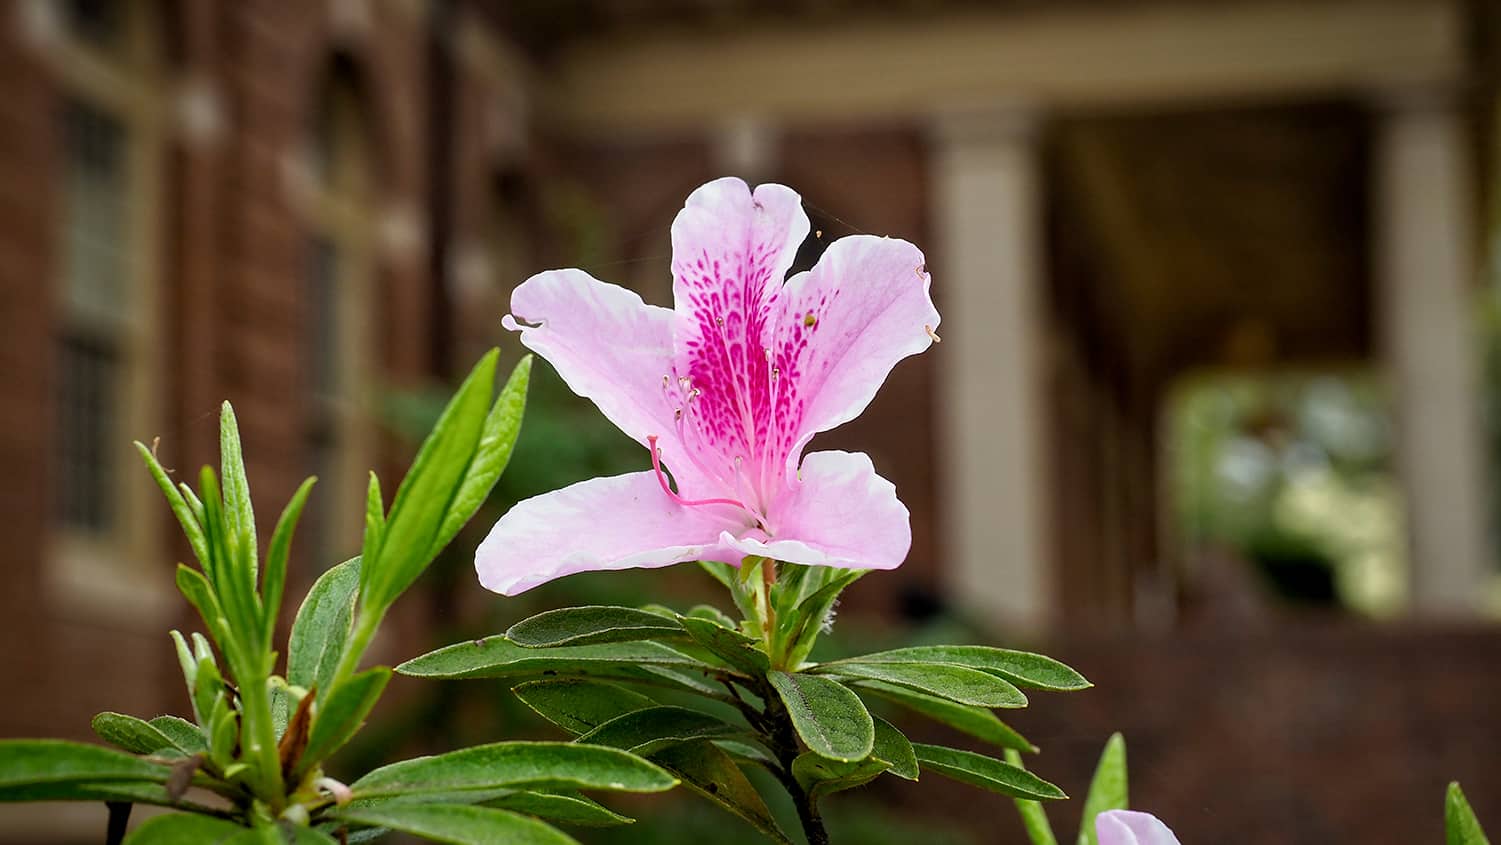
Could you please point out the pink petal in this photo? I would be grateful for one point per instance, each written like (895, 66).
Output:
(843, 326)
(608, 346)
(731, 250)
(621, 522)
(1126, 827)
(838, 513)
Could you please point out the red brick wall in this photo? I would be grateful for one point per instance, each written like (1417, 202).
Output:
(234, 263)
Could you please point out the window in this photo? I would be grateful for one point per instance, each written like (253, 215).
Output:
(338, 294)
(105, 360)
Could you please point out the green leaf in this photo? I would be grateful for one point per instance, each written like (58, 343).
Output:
(594, 624)
(134, 735)
(746, 752)
(497, 440)
(514, 765)
(1107, 790)
(187, 736)
(646, 731)
(298, 835)
(579, 706)
(322, 627)
(342, 713)
(275, 581)
(1460, 825)
(375, 519)
(830, 718)
(128, 791)
(187, 516)
(459, 824)
(1034, 817)
(975, 721)
(892, 752)
(32, 761)
(708, 771)
(894, 749)
(196, 589)
(1022, 668)
(563, 808)
(734, 648)
(497, 657)
(423, 499)
(184, 829)
(984, 772)
(711, 614)
(697, 680)
(944, 680)
(239, 515)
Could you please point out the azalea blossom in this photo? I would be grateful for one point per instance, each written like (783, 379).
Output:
(1126, 827)
(726, 389)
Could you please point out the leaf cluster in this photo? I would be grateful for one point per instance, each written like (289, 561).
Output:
(249, 766)
(614, 677)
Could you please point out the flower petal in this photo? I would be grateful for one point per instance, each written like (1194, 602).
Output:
(1126, 827)
(731, 250)
(607, 345)
(838, 513)
(843, 326)
(620, 522)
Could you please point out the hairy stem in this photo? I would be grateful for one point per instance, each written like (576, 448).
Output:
(781, 737)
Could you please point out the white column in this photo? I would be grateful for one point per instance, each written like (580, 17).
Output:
(986, 176)
(1424, 232)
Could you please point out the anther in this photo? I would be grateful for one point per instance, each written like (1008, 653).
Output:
(932, 334)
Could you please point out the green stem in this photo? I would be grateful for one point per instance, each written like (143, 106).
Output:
(781, 738)
(255, 704)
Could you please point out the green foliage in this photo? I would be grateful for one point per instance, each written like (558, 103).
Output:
(514, 765)
(829, 718)
(1034, 817)
(1460, 825)
(1108, 788)
(459, 824)
(260, 741)
(585, 625)
(985, 772)
(705, 695)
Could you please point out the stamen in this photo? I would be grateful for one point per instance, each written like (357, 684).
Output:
(932, 334)
(656, 465)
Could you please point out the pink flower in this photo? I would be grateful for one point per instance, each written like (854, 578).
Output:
(1124, 827)
(726, 388)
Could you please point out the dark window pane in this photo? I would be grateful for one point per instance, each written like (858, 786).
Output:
(97, 22)
(87, 393)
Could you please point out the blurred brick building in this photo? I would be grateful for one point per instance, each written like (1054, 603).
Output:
(296, 205)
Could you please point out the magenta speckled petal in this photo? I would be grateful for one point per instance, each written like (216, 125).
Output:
(620, 522)
(731, 249)
(841, 513)
(1126, 827)
(845, 324)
